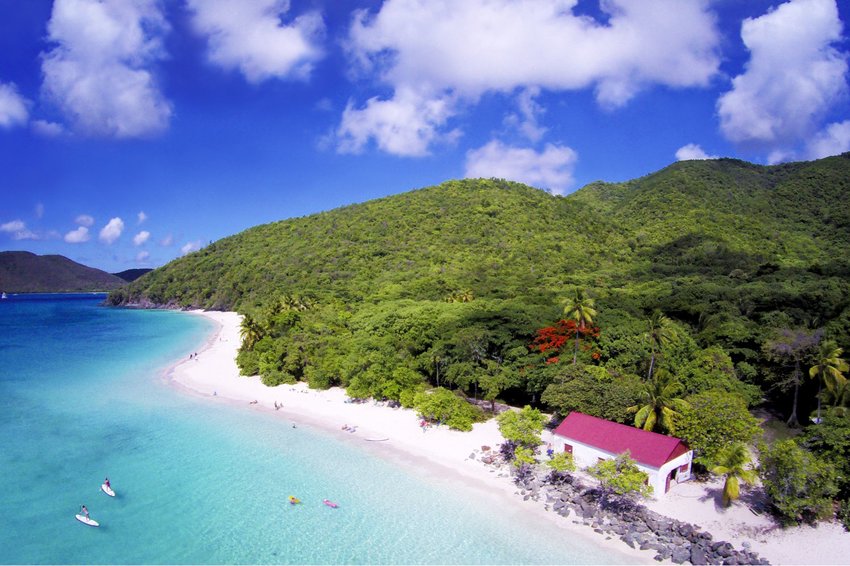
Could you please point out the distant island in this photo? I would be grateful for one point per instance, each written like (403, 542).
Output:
(25, 272)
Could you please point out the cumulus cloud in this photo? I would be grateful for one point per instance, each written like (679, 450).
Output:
(142, 257)
(832, 140)
(18, 230)
(552, 168)
(167, 241)
(692, 151)
(78, 236)
(249, 35)
(141, 238)
(190, 247)
(84, 220)
(141, 217)
(404, 125)
(99, 71)
(479, 46)
(794, 76)
(112, 231)
(13, 107)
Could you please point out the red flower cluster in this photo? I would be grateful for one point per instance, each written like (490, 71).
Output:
(552, 339)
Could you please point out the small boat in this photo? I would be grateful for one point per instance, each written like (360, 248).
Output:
(107, 490)
(87, 520)
(4, 296)
(330, 503)
(294, 500)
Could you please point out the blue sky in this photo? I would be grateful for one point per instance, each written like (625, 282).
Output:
(135, 131)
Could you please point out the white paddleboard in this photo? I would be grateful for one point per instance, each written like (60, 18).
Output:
(107, 490)
(86, 521)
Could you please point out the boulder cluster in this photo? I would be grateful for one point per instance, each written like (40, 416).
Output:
(622, 517)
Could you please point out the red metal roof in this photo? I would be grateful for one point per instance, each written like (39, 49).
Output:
(648, 448)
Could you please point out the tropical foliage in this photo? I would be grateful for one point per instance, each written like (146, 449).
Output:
(800, 485)
(733, 462)
(621, 476)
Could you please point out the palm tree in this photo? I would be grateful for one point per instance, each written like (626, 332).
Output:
(830, 367)
(659, 334)
(733, 461)
(661, 403)
(250, 331)
(579, 308)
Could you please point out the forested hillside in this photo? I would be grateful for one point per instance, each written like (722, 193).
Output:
(718, 277)
(25, 272)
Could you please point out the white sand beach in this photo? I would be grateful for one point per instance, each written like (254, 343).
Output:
(396, 434)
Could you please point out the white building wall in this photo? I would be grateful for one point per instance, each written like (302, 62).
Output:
(585, 456)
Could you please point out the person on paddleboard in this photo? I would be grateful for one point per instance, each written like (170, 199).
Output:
(106, 483)
(84, 510)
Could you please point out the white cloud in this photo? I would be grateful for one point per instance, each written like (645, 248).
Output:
(141, 217)
(112, 230)
(13, 226)
(142, 257)
(47, 129)
(13, 107)
(39, 210)
(190, 247)
(250, 35)
(526, 121)
(404, 125)
(832, 140)
(19, 231)
(794, 76)
(99, 70)
(692, 151)
(479, 46)
(141, 237)
(551, 169)
(84, 220)
(78, 236)
(167, 241)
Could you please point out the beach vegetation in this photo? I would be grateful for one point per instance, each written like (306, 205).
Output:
(734, 462)
(442, 406)
(830, 441)
(523, 455)
(562, 462)
(522, 427)
(713, 421)
(801, 486)
(621, 476)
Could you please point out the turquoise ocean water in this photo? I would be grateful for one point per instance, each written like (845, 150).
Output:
(82, 396)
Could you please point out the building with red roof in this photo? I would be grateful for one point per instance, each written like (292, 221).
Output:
(666, 459)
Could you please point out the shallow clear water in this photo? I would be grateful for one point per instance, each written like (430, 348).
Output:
(82, 396)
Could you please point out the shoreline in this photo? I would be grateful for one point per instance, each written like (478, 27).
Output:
(395, 435)
(440, 454)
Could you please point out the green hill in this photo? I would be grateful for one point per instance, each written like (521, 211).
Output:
(449, 284)
(25, 272)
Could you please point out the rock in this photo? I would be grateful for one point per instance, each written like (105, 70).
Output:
(698, 555)
(680, 555)
(485, 448)
(627, 538)
(472, 456)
